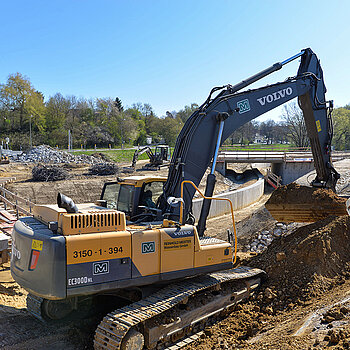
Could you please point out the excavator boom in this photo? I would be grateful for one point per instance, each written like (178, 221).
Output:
(220, 116)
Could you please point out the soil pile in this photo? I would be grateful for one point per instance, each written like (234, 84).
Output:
(308, 262)
(296, 203)
(298, 194)
(302, 268)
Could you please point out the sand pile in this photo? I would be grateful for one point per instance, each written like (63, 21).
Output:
(308, 262)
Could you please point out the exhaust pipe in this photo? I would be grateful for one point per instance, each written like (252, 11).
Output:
(66, 203)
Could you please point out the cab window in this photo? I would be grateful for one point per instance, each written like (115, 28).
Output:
(111, 194)
(151, 193)
(119, 197)
(125, 199)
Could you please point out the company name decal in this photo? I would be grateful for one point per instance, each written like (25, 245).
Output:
(172, 244)
(275, 96)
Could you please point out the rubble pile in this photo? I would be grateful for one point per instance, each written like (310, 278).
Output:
(104, 169)
(48, 173)
(102, 157)
(263, 239)
(47, 154)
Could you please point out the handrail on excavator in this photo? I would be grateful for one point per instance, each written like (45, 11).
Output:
(212, 198)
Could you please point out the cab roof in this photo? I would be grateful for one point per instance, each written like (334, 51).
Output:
(139, 180)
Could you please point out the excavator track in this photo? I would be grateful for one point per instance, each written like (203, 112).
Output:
(170, 318)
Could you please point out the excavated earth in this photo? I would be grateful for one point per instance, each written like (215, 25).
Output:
(303, 304)
(307, 270)
(297, 203)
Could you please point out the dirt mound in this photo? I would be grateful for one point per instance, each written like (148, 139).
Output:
(309, 261)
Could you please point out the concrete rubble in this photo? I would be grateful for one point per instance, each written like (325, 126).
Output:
(47, 154)
(264, 238)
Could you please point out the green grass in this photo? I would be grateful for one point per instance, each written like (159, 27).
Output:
(116, 155)
(126, 155)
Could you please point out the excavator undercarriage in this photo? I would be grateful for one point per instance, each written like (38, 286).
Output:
(176, 311)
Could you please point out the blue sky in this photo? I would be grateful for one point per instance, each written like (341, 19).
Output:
(169, 53)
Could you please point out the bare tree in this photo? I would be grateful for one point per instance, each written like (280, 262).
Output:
(294, 119)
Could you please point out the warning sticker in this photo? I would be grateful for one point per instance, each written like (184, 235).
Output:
(318, 125)
(37, 245)
(174, 244)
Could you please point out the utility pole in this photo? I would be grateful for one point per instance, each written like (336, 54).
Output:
(69, 140)
(30, 132)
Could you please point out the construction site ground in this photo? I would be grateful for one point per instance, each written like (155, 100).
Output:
(304, 303)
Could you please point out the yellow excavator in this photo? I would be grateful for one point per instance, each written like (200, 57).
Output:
(140, 241)
(3, 158)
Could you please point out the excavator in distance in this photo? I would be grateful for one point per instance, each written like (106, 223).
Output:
(140, 242)
(4, 159)
(160, 157)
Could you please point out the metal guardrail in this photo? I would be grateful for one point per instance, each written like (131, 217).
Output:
(272, 148)
(14, 200)
(273, 179)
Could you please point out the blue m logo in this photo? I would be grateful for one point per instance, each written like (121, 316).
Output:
(148, 247)
(243, 106)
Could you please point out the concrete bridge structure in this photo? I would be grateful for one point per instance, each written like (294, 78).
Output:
(289, 165)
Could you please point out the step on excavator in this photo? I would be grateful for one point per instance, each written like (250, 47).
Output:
(140, 241)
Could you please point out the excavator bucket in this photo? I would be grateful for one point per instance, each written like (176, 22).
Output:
(296, 203)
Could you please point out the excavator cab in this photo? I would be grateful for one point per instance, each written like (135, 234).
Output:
(162, 153)
(136, 196)
(4, 160)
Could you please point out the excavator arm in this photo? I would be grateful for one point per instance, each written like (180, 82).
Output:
(208, 127)
(138, 152)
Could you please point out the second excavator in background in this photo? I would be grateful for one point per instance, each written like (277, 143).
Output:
(160, 157)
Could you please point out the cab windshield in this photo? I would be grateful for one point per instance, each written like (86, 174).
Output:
(119, 197)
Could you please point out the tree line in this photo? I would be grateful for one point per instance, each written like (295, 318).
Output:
(105, 121)
(291, 129)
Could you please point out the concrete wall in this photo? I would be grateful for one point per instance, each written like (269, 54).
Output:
(290, 171)
(240, 198)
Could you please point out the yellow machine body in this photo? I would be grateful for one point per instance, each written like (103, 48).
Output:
(101, 252)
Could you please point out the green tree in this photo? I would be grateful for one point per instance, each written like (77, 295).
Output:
(57, 109)
(186, 112)
(169, 129)
(341, 125)
(23, 103)
(118, 104)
